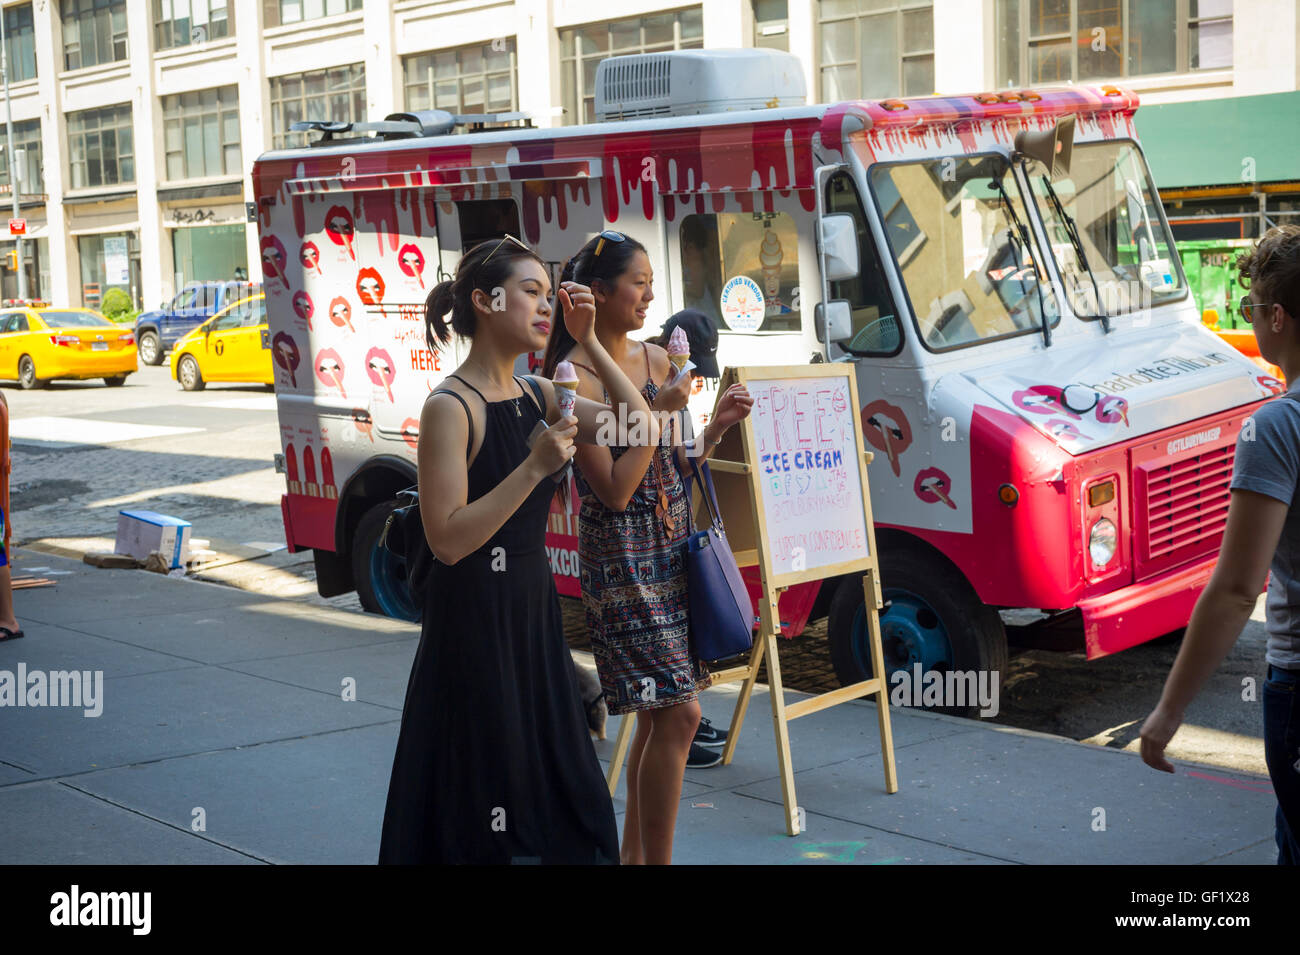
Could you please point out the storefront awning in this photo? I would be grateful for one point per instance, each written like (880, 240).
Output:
(1221, 142)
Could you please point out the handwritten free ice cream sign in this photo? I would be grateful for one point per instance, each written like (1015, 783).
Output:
(807, 452)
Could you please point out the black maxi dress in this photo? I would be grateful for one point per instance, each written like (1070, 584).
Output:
(494, 761)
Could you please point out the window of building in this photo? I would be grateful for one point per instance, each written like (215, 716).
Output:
(581, 48)
(337, 94)
(772, 24)
(718, 248)
(482, 78)
(94, 32)
(1064, 41)
(20, 43)
(209, 253)
(182, 22)
(201, 133)
(279, 12)
(101, 145)
(109, 260)
(27, 137)
(874, 49)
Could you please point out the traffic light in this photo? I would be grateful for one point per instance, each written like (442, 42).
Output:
(11, 260)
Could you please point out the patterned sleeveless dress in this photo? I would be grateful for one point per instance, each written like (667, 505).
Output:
(633, 574)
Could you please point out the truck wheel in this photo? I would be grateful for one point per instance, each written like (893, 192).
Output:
(150, 349)
(933, 617)
(187, 370)
(27, 379)
(380, 577)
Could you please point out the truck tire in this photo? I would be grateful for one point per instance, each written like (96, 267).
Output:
(932, 616)
(27, 379)
(380, 577)
(188, 374)
(115, 381)
(150, 348)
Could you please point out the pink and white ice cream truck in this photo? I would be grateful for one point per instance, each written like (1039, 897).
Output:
(1054, 428)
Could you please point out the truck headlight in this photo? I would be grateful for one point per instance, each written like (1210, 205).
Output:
(1103, 541)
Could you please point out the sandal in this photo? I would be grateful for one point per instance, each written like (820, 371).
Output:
(7, 634)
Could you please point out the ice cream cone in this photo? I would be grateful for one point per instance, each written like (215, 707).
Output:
(566, 387)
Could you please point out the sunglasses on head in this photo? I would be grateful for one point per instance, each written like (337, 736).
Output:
(609, 235)
(496, 248)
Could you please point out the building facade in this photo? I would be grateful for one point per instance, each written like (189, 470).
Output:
(138, 121)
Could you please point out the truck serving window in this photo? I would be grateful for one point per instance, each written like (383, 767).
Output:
(483, 219)
(875, 320)
(1110, 202)
(958, 230)
(741, 269)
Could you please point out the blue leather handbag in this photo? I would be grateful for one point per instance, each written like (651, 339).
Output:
(722, 615)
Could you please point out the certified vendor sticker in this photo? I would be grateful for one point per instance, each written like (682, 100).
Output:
(742, 304)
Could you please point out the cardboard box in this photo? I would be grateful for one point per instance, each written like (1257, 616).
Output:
(139, 533)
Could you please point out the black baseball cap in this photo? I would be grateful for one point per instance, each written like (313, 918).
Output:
(703, 336)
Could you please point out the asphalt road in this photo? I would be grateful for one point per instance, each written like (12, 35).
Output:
(82, 451)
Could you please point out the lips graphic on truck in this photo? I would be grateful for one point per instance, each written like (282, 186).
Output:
(370, 286)
(303, 307)
(273, 260)
(309, 256)
(379, 366)
(933, 485)
(285, 352)
(364, 424)
(411, 261)
(340, 228)
(329, 369)
(411, 433)
(1112, 408)
(1042, 399)
(341, 312)
(886, 429)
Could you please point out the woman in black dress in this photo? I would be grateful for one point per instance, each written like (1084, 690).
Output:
(494, 763)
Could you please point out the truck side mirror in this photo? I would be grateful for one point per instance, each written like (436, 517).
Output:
(838, 236)
(833, 321)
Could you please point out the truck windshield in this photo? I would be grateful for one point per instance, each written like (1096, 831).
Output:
(1109, 200)
(958, 230)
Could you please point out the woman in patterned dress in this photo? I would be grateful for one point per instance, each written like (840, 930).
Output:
(632, 531)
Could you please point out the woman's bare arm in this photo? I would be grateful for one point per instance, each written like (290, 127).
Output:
(453, 528)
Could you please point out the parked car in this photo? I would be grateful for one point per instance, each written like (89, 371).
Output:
(158, 330)
(232, 345)
(38, 345)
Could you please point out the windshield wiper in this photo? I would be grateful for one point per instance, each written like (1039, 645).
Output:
(1023, 233)
(1072, 230)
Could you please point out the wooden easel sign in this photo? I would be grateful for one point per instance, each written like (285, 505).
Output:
(792, 493)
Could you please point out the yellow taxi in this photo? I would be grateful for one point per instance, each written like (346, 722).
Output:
(39, 344)
(232, 345)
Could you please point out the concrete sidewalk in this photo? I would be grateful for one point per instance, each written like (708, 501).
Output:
(224, 706)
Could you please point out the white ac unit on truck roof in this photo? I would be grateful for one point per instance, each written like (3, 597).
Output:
(690, 82)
